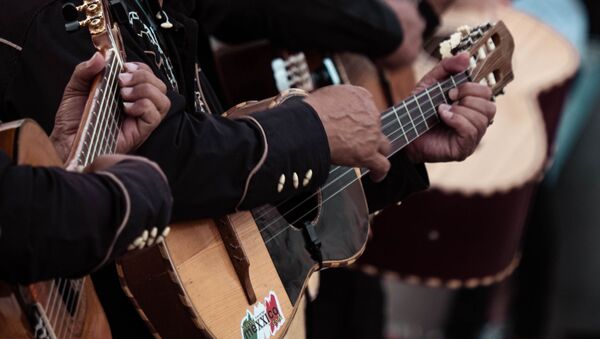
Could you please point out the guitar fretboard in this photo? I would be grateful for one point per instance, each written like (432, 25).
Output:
(416, 115)
(104, 119)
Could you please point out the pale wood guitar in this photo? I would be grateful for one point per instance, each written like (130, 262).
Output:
(67, 308)
(241, 276)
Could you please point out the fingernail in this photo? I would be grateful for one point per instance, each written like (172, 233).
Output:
(131, 67)
(125, 77)
(128, 104)
(126, 91)
(453, 94)
(445, 110)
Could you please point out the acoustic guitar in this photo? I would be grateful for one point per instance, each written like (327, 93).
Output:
(241, 276)
(67, 308)
(482, 204)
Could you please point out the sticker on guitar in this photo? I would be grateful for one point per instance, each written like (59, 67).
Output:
(265, 321)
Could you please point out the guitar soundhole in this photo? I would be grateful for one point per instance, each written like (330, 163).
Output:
(300, 209)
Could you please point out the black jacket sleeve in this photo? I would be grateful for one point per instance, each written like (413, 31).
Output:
(217, 165)
(365, 26)
(403, 179)
(55, 223)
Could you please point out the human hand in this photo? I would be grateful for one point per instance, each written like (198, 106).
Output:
(353, 127)
(464, 122)
(413, 26)
(145, 104)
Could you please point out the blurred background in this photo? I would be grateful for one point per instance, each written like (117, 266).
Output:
(555, 291)
(503, 244)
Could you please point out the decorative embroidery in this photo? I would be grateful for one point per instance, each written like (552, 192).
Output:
(148, 34)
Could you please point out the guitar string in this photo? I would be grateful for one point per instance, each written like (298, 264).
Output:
(52, 314)
(386, 114)
(106, 92)
(104, 113)
(92, 151)
(403, 135)
(334, 181)
(394, 121)
(106, 116)
(81, 294)
(328, 185)
(289, 225)
(75, 286)
(350, 170)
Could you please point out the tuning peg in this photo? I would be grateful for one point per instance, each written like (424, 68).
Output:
(70, 12)
(72, 26)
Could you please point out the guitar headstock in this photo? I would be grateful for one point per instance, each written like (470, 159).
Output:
(95, 16)
(490, 47)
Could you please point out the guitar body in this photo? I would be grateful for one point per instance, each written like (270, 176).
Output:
(188, 287)
(13, 321)
(23, 312)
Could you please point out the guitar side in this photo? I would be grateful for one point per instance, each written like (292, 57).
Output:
(27, 144)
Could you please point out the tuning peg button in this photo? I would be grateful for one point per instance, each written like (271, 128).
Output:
(72, 26)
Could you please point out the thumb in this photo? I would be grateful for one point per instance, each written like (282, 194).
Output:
(84, 74)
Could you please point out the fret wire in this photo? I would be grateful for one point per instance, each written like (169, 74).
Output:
(409, 116)
(106, 123)
(110, 112)
(400, 123)
(421, 111)
(99, 126)
(429, 96)
(442, 92)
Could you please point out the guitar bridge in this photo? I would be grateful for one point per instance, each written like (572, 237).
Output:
(238, 257)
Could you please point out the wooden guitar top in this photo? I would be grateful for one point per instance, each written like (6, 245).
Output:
(514, 149)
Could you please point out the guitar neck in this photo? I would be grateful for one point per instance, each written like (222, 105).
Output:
(102, 117)
(413, 117)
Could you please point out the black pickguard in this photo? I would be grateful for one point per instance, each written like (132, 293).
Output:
(342, 227)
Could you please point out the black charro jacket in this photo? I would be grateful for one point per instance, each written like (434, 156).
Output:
(214, 165)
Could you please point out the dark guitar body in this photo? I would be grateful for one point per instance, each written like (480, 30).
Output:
(22, 313)
(190, 286)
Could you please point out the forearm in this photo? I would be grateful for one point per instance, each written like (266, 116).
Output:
(61, 224)
(217, 165)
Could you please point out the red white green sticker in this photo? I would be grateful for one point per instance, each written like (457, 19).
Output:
(265, 320)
